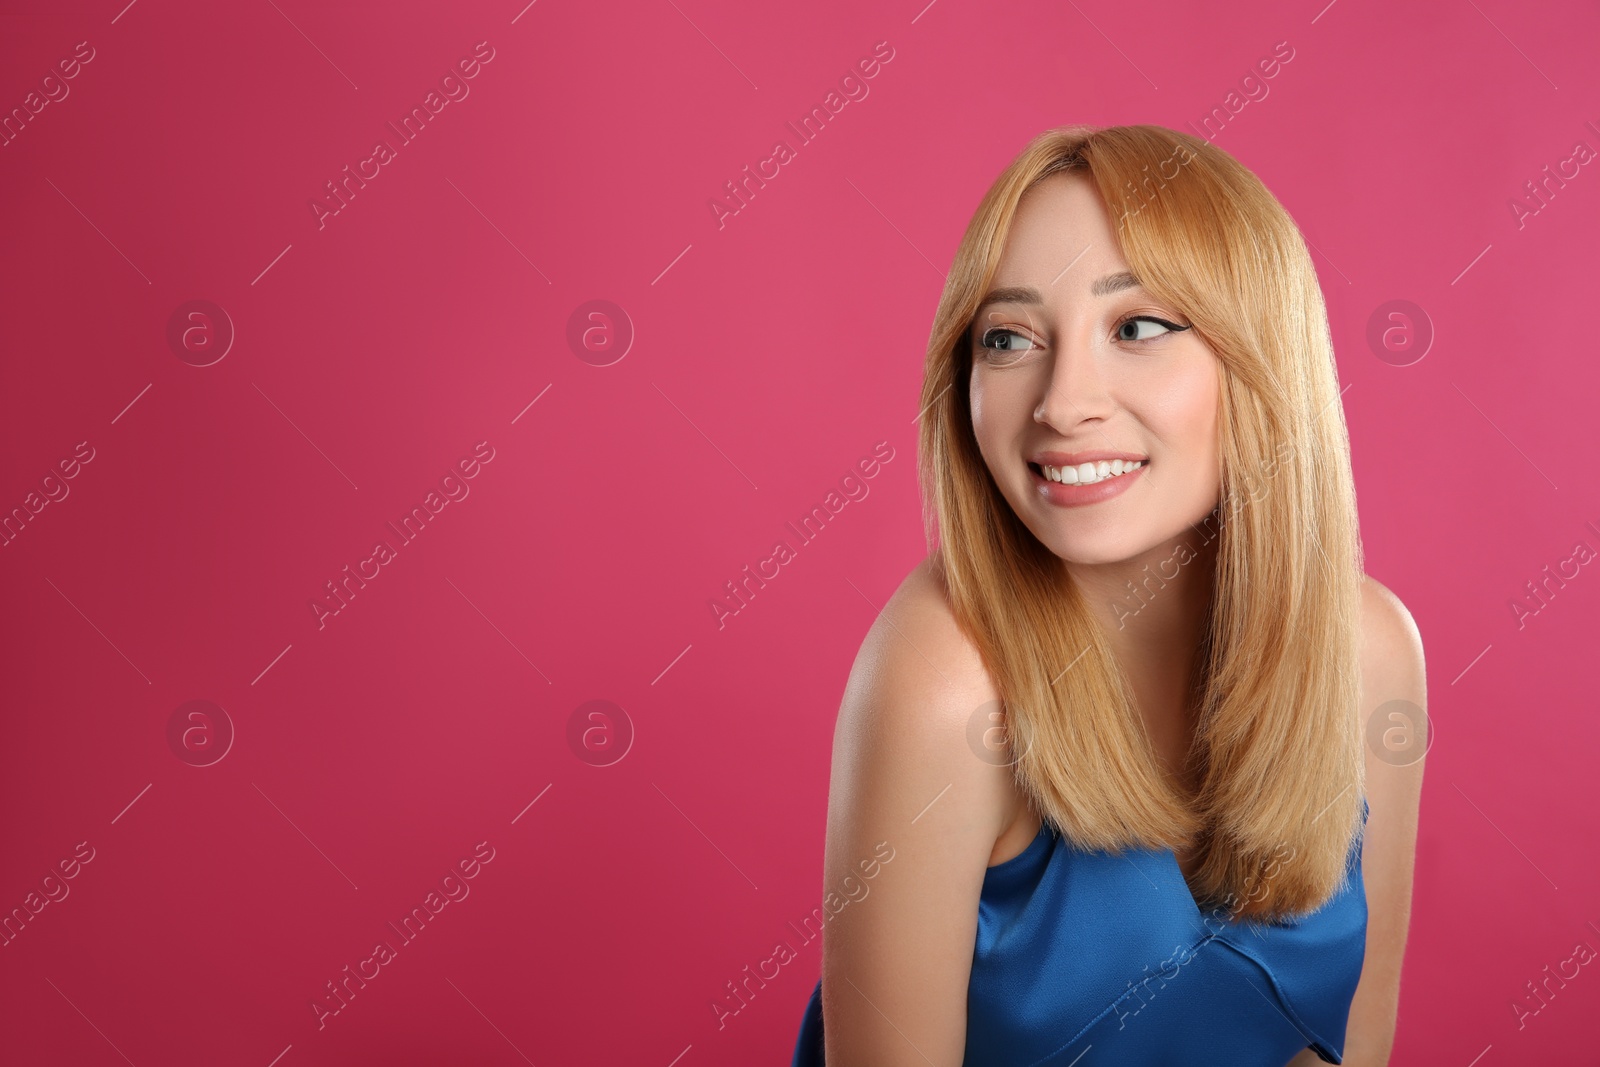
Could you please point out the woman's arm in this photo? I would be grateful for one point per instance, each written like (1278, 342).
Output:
(1392, 669)
(896, 961)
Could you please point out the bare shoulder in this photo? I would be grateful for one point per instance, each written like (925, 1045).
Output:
(906, 784)
(1391, 641)
(920, 609)
(917, 686)
(1394, 699)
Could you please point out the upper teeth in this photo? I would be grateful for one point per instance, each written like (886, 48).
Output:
(1089, 473)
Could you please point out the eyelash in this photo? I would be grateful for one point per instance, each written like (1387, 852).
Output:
(1172, 327)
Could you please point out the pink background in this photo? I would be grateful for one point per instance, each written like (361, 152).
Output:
(432, 712)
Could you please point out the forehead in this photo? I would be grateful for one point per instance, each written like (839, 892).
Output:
(1059, 221)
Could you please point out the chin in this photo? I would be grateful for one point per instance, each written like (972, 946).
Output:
(1091, 553)
(1093, 545)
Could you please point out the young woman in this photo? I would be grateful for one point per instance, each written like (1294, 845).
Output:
(1115, 728)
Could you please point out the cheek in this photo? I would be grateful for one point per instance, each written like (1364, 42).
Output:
(1183, 412)
(1001, 404)
(987, 412)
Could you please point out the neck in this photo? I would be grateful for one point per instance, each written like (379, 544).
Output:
(1155, 602)
(1153, 609)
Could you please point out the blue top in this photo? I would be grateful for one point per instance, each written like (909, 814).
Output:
(1088, 957)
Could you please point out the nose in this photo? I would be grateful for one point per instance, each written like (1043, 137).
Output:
(1075, 391)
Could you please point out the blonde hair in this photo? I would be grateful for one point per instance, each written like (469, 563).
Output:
(1278, 746)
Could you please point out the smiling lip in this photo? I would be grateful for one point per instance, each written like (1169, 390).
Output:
(1072, 459)
(1073, 496)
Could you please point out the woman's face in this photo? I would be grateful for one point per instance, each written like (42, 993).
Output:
(1070, 367)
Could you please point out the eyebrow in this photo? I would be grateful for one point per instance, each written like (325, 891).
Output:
(1021, 294)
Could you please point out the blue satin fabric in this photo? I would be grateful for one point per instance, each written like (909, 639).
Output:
(1089, 959)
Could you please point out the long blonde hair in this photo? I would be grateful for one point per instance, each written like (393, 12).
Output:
(1278, 745)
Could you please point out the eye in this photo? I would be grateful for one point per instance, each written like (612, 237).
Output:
(1002, 339)
(1128, 329)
